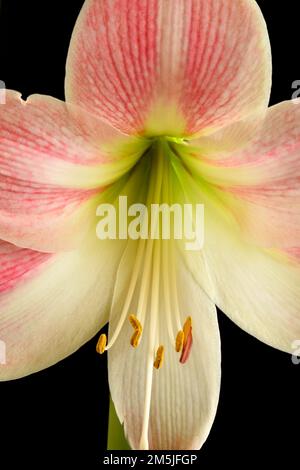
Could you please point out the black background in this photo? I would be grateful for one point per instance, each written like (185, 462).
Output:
(61, 413)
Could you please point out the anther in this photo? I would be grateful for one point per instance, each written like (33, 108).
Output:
(135, 339)
(159, 358)
(188, 340)
(135, 323)
(179, 341)
(101, 345)
(187, 326)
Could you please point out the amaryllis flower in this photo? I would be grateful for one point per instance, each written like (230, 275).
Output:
(166, 102)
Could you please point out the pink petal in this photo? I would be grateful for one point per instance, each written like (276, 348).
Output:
(257, 288)
(169, 67)
(16, 264)
(259, 181)
(52, 304)
(53, 158)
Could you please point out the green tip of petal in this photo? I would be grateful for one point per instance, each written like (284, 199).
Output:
(116, 438)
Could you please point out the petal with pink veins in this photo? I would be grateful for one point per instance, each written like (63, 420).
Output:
(169, 67)
(257, 180)
(257, 288)
(50, 305)
(54, 158)
(18, 263)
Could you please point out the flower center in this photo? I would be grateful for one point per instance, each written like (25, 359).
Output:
(153, 282)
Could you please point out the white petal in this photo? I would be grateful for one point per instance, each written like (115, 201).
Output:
(184, 397)
(49, 315)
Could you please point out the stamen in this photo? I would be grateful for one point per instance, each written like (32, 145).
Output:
(173, 281)
(155, 292)
(165, 267)
(101, 345)
(146, 281)
(136, 272)
(159, 359)
(179, 341)
(130, 293)
(166, 291)
(188, 340)
(187, 327)
(170, 281)
(144, 443)
(135, 339)
(136, 324)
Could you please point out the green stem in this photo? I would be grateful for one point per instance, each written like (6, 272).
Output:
(116, 438)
